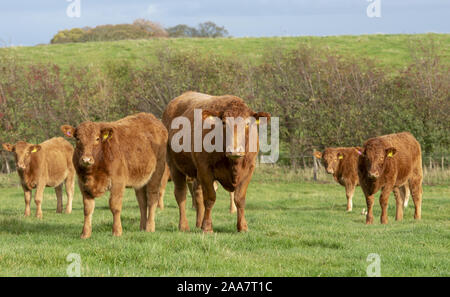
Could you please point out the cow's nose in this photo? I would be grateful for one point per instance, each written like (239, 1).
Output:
(330, 171)
(87, 160)
(21, 165)
(373, 174)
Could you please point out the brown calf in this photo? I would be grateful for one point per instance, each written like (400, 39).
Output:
(388, 163)
(232, 169)
(342, 163)
(48, 164)
(110, 156)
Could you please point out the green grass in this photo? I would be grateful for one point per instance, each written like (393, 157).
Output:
(388, 50)
(296, 229)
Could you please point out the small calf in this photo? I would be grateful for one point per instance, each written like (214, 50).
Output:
(48, 164)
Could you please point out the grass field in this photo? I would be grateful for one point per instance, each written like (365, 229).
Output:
(389, 50)
(296, 229)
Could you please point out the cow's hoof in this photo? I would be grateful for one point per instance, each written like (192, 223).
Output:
(208, 231)
(68, 211)
(85, 236)
(183, 228)
(117, 233)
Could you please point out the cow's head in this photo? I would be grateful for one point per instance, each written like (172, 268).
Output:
(90, 137)
(236, 119)
(375, 156)
(23, 152)
(330, 159)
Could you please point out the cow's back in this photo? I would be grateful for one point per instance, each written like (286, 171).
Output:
(140, 140)
(56, 159)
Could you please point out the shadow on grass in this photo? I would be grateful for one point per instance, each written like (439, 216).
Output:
(31, 225)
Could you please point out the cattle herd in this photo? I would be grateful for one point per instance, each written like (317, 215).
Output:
(137, 151)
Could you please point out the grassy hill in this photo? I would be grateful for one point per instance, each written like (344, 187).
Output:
(389, 50)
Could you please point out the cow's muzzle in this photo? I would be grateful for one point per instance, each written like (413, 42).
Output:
(87, 161)
(374, 174)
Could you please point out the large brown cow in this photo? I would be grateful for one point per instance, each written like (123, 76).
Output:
(388, 163)
(48, 164)
(233, 168)
(342, 163)
(110, 156)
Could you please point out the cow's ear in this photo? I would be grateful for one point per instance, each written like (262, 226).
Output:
(34, 148)
(390, 152)
(8, 147)
(318, 155)
(68, 131)
(340, 156)
(261, 114)
(210, 114)
(359, 150)
(106, 133)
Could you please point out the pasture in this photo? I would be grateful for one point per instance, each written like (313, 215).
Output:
(297, 228)
(389, 50)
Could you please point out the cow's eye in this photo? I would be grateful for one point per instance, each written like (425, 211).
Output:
(97, 139)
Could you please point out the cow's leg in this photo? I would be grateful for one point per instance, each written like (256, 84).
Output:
(59, 199)
(141, 197)
(384, 199)
(405, 192)
(239, 199)
(162, 189)
(115, 205)
(416, 192)
(398, 204)
(190, 185)
(349, 191)
(27, 196)
(232, 204)
(70, 189)
(199, 203)
(38, 196)
(206, 180)
(89, 205)
(370, 199)
(179, 181)
(153, 192)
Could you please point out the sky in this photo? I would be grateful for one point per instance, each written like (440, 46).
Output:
(31, 22)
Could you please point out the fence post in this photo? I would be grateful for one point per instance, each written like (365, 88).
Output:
(315, 164)
(431, 163)
(442, 162)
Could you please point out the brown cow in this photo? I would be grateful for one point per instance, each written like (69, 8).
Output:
(232, 169)
(342, 163)
(48, 164)
(387, 163)
(110, 156)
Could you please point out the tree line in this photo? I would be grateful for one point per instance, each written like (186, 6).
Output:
(139, 29)
(321, 98)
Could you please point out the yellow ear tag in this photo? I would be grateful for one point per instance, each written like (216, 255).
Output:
(390, 154)
(341, 157)
(34, 150)
(257, 122)
(105, 136)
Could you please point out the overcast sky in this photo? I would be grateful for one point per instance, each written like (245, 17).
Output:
(30, 22)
